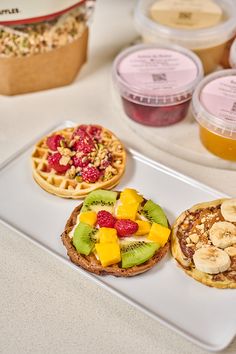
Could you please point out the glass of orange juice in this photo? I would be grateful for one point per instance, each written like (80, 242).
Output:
(214, 108)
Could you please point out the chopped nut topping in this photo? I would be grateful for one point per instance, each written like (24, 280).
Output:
(64, 160)
(65, 151)
(194, 238)
(30, 39)
(71, 172)
(190, 245)
(200, 227)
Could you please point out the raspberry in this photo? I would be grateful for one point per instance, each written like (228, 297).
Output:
(94, 131)
(53, 142)
(125, 227)
(105, 219)
(84, 144)
(82, 161)
(90, 174)
(80, 131)
(53, 161)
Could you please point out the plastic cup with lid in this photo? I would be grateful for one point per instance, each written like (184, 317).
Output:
(156, 82)
(204, 26)
(214, 108)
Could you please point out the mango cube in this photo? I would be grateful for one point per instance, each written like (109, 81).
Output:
(130, 196)
(88, 217)
(108, 253)
(143, 227)
(159, 234)
(127, 211)
(107, 234)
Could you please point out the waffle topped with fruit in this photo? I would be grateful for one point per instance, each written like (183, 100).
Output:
(72, 162)
(118, 233)
(204, 242)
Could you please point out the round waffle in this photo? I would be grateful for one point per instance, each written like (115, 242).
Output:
(93, 265)
(203, 228)
(70, 184)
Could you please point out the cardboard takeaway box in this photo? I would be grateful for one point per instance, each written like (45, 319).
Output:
(53, 68)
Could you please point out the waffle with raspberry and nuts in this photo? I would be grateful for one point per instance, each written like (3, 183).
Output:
(72, 162)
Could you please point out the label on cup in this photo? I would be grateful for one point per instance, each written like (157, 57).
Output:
(219, 98)
(158, 71)
(186, 14)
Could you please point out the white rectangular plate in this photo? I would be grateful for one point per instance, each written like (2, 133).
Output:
(201, 314)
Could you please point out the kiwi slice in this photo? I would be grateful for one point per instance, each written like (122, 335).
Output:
(100, 200)
(154, 213)
(84, 238)
(137, 252)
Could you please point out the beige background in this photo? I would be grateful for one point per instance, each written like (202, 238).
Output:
(45, 306)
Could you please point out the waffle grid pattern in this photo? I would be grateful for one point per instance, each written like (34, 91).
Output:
(64, 186)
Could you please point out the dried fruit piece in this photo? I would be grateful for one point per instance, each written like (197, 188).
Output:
(54, 162)
(105, 219)
(90, 174)
(125, 227)
(53, 141)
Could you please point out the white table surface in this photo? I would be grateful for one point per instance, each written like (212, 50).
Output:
(45, 306)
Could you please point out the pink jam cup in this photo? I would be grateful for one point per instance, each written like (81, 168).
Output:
(156, 82)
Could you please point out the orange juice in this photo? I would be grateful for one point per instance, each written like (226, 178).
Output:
(214, 107)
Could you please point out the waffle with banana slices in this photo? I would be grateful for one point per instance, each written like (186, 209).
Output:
(203, 242)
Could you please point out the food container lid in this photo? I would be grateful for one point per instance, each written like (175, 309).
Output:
(13, 12)
(233, 55)
(214, 103)
(157, 75)
(189, 38)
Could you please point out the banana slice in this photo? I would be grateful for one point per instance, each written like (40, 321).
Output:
(228, 209)
(222, 234)
(212, 260)
(231, 251)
